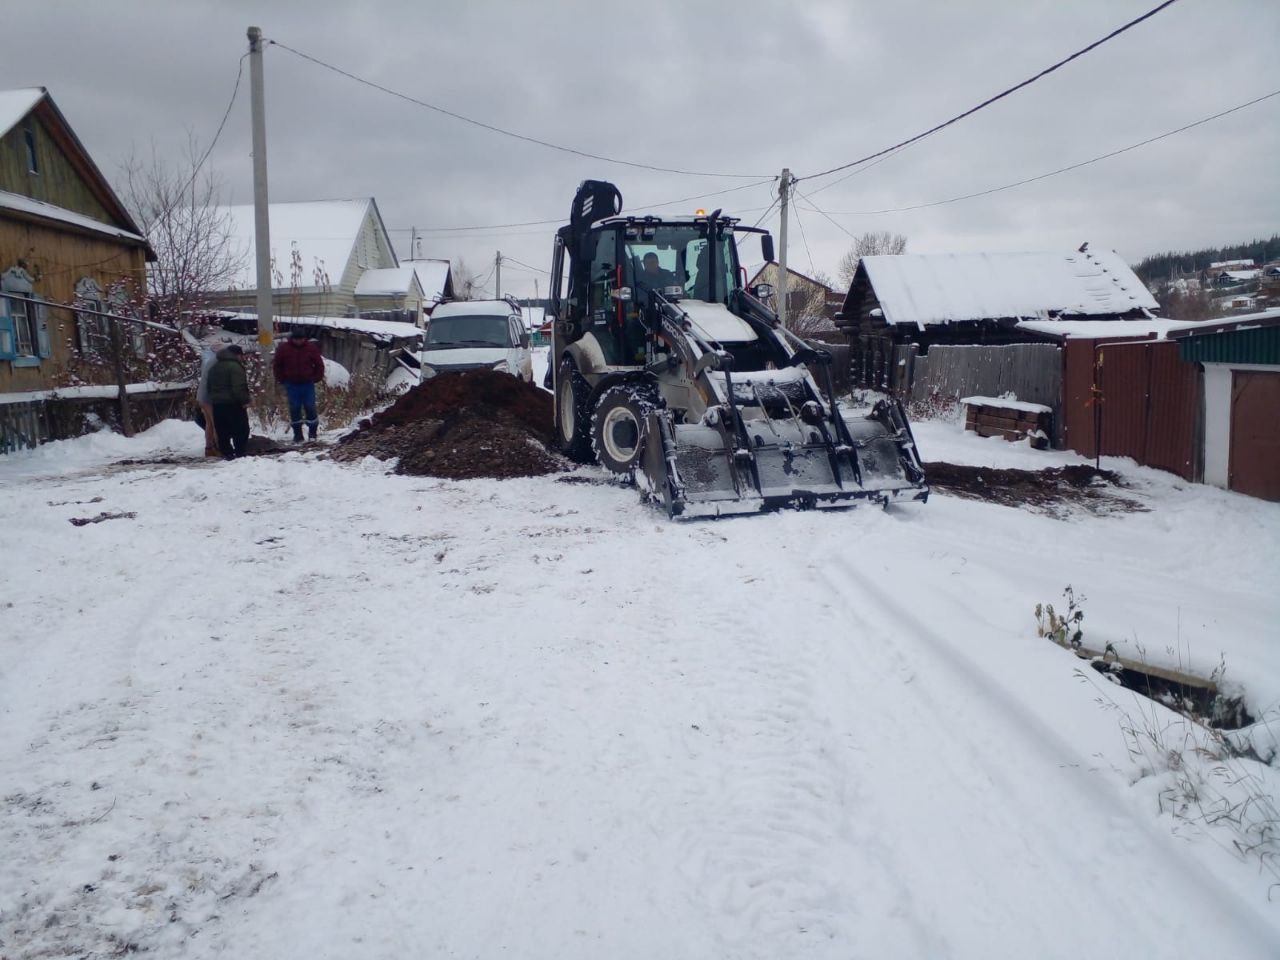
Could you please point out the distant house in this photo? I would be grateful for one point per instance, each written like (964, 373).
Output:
(920, 300)
(805, 295)
(72, 280)
(436, 279)
(320, 251)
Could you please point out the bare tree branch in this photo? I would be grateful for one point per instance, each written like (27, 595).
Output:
(874, 243)
(181, 216)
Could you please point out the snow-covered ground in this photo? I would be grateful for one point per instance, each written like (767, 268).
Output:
(294, 708)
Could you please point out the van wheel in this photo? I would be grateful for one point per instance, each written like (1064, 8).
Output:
(620, 425)
(572, 426)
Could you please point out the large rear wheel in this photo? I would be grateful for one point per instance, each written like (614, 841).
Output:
(573, 427)
(619, 426)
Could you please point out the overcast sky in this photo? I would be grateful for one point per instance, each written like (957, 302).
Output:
(728, 87)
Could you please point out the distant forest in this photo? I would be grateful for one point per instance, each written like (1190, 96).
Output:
(1160, 266)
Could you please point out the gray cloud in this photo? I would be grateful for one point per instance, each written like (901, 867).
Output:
(738, 87)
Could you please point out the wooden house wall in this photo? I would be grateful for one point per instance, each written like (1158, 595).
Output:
(58, 259)
(57, 182)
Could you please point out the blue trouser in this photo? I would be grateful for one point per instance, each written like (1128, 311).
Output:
(302, 396)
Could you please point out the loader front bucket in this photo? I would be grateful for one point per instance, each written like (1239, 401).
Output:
(695, 470)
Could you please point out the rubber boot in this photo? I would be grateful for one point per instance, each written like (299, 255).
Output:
(311, 430)
(297, 433)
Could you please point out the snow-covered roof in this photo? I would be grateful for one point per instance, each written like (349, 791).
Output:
(387, 282)
(378, 329)
(16, 104)
(434, 276)
(943, 288)
(325, 232)
(1229, 264)
(1109, 329)
(1241, 274)
(38, 208)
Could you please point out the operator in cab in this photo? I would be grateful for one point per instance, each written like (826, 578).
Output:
(653, 276)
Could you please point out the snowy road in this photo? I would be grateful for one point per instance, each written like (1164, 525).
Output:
(299, 709)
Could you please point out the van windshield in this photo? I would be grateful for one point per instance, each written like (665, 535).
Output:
(472, 330)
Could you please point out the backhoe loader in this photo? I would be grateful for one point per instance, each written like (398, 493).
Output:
(666, 369)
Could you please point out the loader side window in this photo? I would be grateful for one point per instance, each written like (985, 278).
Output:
(604, 264)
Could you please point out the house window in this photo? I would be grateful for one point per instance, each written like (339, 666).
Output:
(24, 339)
(93, 333)
(29, 137)
(24, 334)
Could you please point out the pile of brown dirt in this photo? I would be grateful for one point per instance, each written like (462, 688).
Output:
(462, 425)
(1047, 491)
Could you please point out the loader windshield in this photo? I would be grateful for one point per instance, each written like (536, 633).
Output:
(682, 255)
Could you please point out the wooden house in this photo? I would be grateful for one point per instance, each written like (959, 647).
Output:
(917, 301)
(75, 350)
(65, 239)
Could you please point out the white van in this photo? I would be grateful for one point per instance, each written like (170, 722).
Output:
(475, 334)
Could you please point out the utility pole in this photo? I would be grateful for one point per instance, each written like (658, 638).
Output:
(413, 243)
(784, 194)
(497, 272)
(261, 219)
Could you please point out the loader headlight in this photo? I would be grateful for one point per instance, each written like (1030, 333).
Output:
(502, 367)
(428, 371)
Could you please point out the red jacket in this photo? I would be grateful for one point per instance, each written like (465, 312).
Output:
(298, 361)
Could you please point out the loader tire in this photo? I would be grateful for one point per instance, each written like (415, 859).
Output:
(573, 424)
(619, 427)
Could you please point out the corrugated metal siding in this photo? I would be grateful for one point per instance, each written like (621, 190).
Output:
(1149, 408)
(1174, 431)
(1261, 345)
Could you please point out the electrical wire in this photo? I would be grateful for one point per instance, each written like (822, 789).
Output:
(521, 263)
(1051, 173)
(195, 172)
(561, 219)
(808, 252)
(508, 133)
(999, 96)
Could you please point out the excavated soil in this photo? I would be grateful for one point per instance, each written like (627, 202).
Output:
(1054, 490)
(461, 426)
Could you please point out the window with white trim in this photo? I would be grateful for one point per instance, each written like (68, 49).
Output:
(93, 333)
(24, 335)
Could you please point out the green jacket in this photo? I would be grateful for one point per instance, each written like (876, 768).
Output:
(227, 380)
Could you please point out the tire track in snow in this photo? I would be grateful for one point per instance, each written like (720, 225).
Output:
(1059, 762)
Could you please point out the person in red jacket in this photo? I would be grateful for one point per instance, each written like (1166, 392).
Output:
(298, 366)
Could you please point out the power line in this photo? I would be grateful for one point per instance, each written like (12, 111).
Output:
(561, 219)
(195, 172)
(1051, 173)
(814, 207)
(808, 252)
(521, 263)
(507, 133)
(999, 96)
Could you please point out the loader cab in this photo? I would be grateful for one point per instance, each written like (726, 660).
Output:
(621, 263)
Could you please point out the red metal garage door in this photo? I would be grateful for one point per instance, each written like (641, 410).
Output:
(1255, 434)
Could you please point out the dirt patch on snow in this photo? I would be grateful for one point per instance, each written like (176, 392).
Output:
(462, 425)
(1052, 491)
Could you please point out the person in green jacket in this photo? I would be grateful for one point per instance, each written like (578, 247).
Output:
(229, 396)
